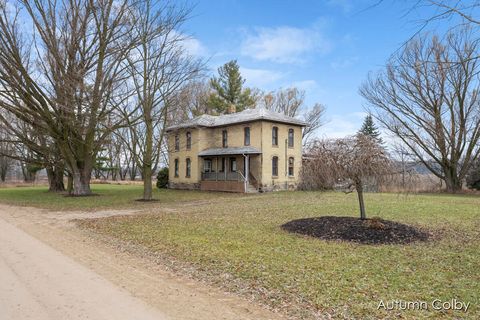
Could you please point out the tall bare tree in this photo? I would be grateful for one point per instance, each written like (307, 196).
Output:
(65, 77)
(32, 148)
(190, 101)
(428, 96)
(291, 102)
(158, 67)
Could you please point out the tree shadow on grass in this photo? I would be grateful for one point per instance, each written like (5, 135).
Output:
(368, 231)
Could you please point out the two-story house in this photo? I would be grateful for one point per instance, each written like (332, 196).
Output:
(248, 151)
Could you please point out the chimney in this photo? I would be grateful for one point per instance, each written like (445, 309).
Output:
(231, 108)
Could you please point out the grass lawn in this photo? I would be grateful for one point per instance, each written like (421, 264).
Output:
(107, 196)
(235, 241)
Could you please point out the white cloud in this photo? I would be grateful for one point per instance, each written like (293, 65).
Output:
(343, 63)
(260, 77)
(340, 126)
(306, 85)
(345, 5)
(284, 44)
(194, 47)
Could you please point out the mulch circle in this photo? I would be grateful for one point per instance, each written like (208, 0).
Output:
(368, 231)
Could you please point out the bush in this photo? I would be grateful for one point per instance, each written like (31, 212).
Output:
(162, 178)
(473, 176)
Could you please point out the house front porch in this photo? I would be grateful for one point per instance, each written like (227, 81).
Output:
(230, 169)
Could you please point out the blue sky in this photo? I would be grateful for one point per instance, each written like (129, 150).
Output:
(326, 47)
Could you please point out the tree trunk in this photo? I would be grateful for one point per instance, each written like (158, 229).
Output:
(28, 175)
(147, 155)
(452, 182)
(359, 187)
(55, 179)
(81, 182)
(69, 183)
(147, 183)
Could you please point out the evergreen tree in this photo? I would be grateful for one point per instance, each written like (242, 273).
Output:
(370, 129)
(228, 90)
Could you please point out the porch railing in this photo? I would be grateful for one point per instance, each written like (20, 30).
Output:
(222, 176)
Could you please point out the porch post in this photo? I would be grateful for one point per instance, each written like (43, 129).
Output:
(216, 169)
(246, 171)
(247, 167)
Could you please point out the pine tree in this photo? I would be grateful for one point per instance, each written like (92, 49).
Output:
(228, 90)
(370, 129)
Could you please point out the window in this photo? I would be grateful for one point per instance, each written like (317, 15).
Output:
(275, 166)
(177, 142)
(224, 138)
(207, 165)
(188, 167)
(233, 164)
(176, 168)
(291, 162)
(275, 136)
(291, 136)
(246, 136)
(189, 140)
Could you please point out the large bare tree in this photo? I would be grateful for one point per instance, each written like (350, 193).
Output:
(428, 96)
(65, 77)
(158, 67)
(291, 102)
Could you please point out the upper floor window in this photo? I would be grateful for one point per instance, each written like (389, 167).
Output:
(291, 163)
(177, 142)
(224, 138)
(188, 168)
(189, 140)
(246, 136)
(275, 166)
(291, 138)
(275, 136)
(176, 168)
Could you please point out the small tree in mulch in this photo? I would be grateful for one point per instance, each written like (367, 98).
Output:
(349, 163)
(353, 160)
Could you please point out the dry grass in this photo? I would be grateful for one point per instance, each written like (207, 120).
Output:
(237, 243)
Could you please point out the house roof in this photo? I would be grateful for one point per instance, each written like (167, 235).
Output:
(247, 115)
(228, 151)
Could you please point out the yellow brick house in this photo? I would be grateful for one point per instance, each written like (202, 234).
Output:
(249, 151)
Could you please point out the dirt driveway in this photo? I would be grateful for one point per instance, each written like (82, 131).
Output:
(49, 269)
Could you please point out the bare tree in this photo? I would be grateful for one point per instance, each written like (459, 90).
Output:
(314, 118)
(32, 148)
(428, 97)
(291, 102)
(158, 67)
(287, 101)
(6, 154)
(66, 78)
(189, 102)
(350, 162)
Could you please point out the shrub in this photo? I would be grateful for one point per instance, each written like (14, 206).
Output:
(473, 176)
(162, 178)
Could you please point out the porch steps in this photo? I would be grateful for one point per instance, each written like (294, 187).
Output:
(251, 189)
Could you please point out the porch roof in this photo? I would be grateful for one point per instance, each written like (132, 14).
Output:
(228, 151)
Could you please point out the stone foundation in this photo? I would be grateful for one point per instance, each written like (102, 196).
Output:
(184, 186)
